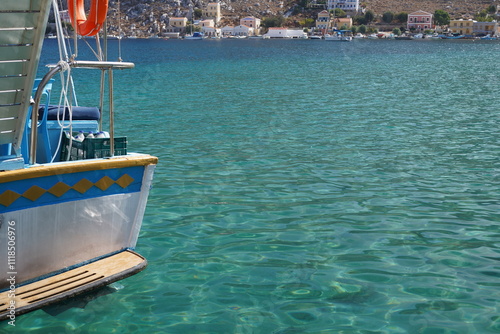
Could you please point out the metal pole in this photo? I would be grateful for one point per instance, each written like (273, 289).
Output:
(101, 98)
(34, 111)
(111, 114)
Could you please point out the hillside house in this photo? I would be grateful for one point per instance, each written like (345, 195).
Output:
(212, 11)
(345, 22)
(345, 5)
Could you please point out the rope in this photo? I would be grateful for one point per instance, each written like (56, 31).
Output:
(67, 104)
(66, 80)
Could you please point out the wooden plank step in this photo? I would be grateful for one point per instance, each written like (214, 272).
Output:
(71, 283)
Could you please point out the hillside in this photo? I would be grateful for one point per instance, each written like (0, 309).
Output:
(455, 8)
(147, 17)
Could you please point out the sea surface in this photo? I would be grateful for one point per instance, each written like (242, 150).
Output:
(305, 186)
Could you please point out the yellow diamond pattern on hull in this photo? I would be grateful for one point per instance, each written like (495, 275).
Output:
(34, 193)
(83, 185)
(60, 188)
(124, 181)
(9, 197)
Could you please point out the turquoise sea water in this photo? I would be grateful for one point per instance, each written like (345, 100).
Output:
(307, 187)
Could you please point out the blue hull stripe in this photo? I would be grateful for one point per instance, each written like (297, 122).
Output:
(53, 189)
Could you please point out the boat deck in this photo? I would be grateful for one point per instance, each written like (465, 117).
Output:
(70, 283)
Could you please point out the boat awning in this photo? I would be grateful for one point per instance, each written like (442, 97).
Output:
(22, 29)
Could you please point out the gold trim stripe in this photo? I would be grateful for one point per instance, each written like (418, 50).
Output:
(61, 188)
(77, 166)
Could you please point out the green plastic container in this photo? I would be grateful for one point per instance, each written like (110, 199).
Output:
(91, 148)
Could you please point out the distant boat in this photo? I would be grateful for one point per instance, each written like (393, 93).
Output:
(195, 35)
(488, 38)
(452, 36)
(404, 37)
(314, 37)
(339, 35)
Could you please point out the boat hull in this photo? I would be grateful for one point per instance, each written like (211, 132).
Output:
(64, 215)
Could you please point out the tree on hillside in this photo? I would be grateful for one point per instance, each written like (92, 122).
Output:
(387, 17)
(275, 21)
(483, 16)
(396, 31)
(369, 16)
(339, 13)
(402, 17)
(359, 20)
(492, 9)
(307, 23)
(198, 13)
(441, 17)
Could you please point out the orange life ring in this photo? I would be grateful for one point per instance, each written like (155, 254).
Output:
(88, 26)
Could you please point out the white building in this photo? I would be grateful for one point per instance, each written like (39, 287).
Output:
(227, 31)
(242, 30)
(277, 33)
(345, 5)
(210, 31)
(207, 23)
(285, 33)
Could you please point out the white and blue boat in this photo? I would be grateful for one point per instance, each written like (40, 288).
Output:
(339, 36)
(488, 38)
(195, 35)
(70, 211)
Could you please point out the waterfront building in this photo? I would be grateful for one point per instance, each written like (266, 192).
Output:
(420, 21)
(462, 27)
(486, 28)
(323, 22)
(251, 22)
(345, 5)
(277, 33)
(210, 31)
(176, 24)
(227, 31)
(212, 11)
(243, 30)
(285, 33)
